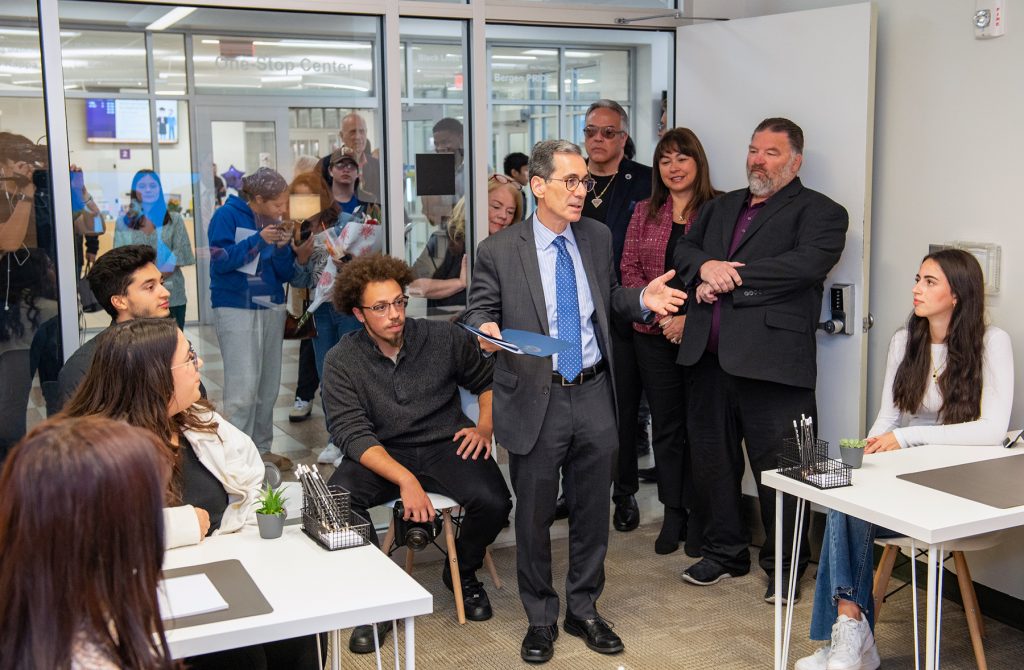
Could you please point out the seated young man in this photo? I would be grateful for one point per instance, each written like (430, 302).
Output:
(391, 394)
(128, 285)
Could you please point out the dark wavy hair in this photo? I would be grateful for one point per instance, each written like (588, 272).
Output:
(112, 272)
(130, 379)
(81, 545)
(349, 286)
(961, 380)
(21, 284)
(681, 141)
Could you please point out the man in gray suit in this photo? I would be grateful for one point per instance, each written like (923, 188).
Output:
(555, 275)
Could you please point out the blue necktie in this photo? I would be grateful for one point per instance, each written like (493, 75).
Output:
(570, 361)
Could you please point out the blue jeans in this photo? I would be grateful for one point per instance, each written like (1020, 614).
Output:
(845, 570)
(330, 326)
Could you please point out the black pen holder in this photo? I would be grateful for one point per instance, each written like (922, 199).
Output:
(330, 521)
(813, 466)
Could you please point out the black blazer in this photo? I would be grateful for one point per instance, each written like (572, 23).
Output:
(767, 328)
(507, 290)
(632, 184)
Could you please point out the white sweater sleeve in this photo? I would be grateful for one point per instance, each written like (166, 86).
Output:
(996, 403)
(181, 526)
(888, 416)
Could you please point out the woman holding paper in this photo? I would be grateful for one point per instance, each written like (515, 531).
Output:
(78, 576)
(149, 221)
(251, 258)
(948, 380)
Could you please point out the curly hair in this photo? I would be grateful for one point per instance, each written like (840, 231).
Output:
(352, 281)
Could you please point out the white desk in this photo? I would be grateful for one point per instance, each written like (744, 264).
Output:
(312, 590)
(929, 516)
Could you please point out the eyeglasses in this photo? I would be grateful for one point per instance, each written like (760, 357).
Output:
(345, 163)
(572, 182)
(193, 358)
(607, 132)
(503, 179)
(380, 309)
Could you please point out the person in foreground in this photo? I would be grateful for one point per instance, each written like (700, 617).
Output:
(145, 372)
(554, 274)
(948, 380)
(67, 548)
(391, 395)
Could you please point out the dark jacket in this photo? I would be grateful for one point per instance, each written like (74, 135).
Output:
(632, 184)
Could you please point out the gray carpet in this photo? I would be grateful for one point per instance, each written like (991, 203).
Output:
(666, 623)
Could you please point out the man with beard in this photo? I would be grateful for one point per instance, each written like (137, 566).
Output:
(758, 257)
(391, 395)
(353, 137)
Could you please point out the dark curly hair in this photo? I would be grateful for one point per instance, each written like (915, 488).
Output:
(352, 281)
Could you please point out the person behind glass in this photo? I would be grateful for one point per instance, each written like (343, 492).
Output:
(681, 185)
(391, 395)
(516, 165)
(79, 575)
(620, 184)
(24, 197)
(251, 258)
(504, 207)
(145, 373)
(149, 221)
(948, 380)
(353, 137)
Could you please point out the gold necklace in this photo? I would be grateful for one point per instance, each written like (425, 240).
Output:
(597, 200)
(937, 370)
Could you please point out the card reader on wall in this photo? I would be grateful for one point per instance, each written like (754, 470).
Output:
(840, 305)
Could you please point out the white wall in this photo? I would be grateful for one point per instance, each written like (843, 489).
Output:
(948, 146)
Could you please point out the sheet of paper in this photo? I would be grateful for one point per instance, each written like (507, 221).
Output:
(242, 234)
(184, 596)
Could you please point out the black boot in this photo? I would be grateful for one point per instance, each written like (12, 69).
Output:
(673, 530)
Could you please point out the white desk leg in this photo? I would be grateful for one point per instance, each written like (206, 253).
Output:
(410, 644)
(929, 642)
(778, 580)
(334, 639)
(794, 563)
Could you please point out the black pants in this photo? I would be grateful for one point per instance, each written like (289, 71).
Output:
(723, 411)
(577, 436)
(477, 485)
(309, 380)
(297, 653)
(627, 393)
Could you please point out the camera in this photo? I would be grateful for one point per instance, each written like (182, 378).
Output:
(414, 535)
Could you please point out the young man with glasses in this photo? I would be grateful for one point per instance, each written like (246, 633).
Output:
(391, 395)
(553, 274)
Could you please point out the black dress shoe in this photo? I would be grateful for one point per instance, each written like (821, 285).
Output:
(595, 632)
(474, 598)
(627, 513)
(361, 641)
(561, 508)
(539, 644)
(649, 475)
(673, 530)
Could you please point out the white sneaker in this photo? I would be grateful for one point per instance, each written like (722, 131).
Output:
(816, 661)
(330, 454)
(853, 646)
(300, 410)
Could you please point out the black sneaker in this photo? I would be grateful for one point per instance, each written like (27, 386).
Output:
(474, 599)
(706, 572)
(769, 595)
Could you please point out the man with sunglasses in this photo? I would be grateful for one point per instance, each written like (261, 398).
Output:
(391, 395)
(620, 184)
(554, 274)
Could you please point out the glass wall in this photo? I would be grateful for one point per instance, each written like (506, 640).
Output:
(30, 336)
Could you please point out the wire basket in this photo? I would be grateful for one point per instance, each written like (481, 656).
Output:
(813, 467)
(331, 522)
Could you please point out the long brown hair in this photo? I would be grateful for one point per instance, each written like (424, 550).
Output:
(681, 141)
(130, 379)
(81, 544)
(961, 380)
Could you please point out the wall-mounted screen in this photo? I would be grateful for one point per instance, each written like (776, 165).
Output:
(127, 121)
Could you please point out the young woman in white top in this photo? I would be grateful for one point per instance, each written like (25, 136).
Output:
(948, 380)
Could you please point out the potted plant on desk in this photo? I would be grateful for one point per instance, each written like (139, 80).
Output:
(852, 452)
(270, 514)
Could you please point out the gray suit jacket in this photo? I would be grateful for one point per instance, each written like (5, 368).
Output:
(507, 290)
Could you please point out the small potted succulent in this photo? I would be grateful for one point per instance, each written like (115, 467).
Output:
(270, 514)
(852, 452)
